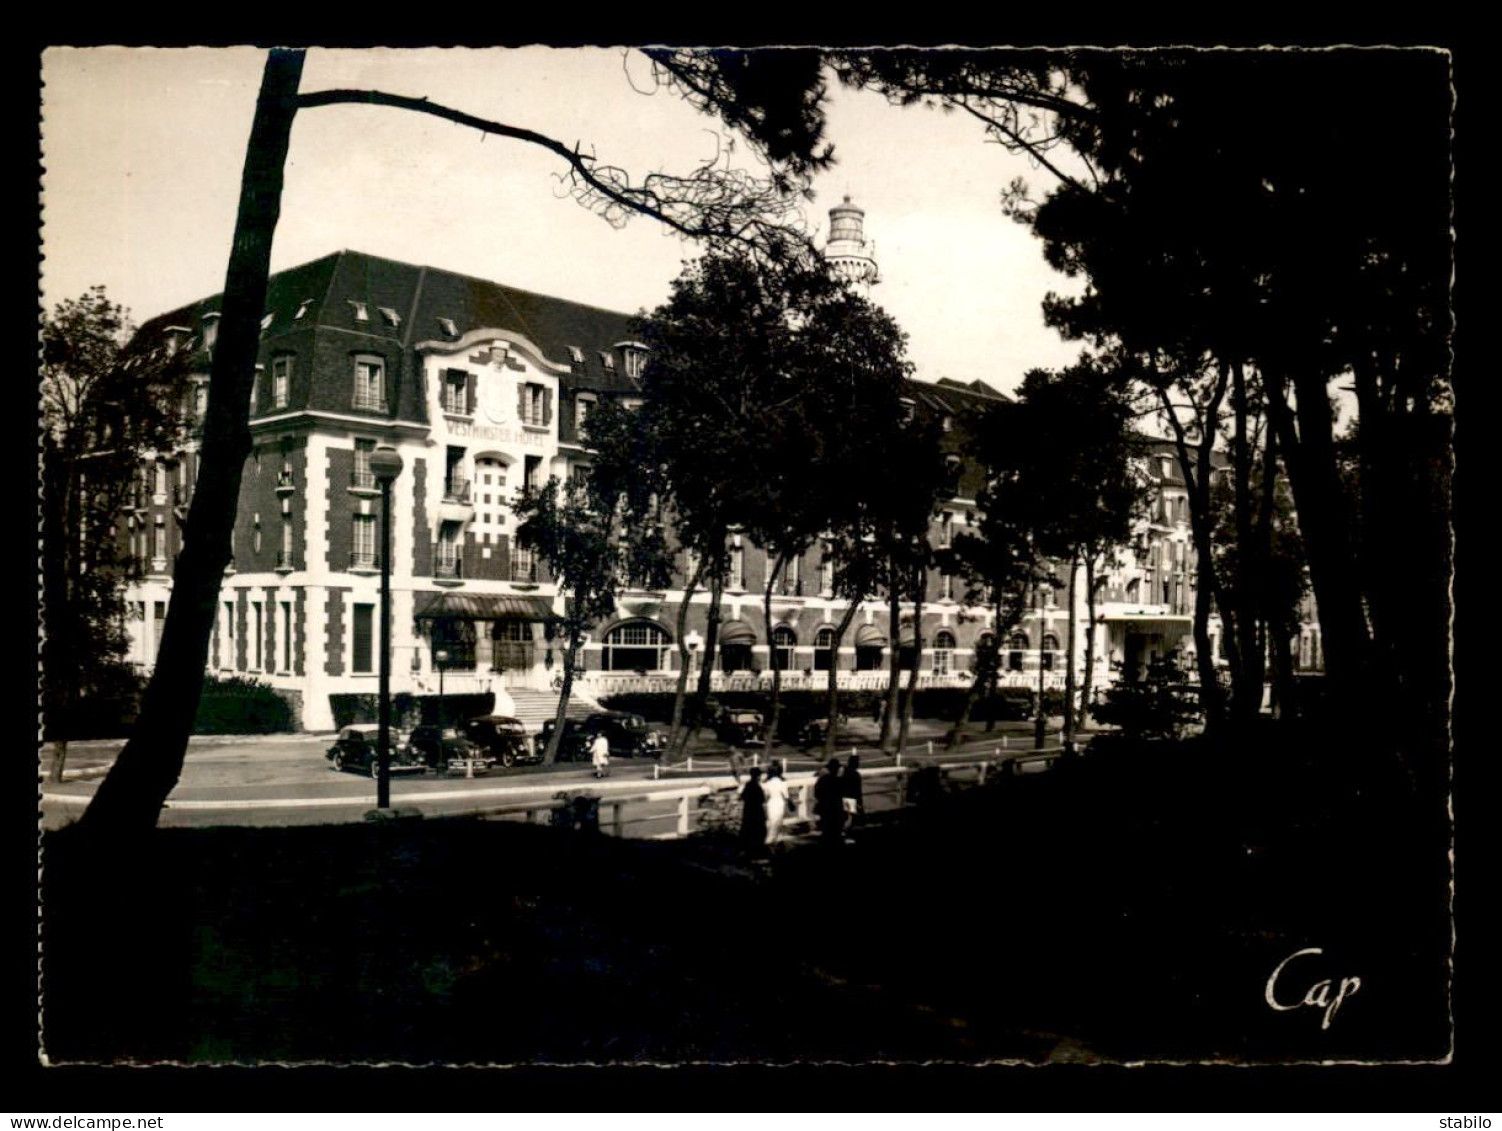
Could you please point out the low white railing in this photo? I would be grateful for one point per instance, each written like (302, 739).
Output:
(886, 789)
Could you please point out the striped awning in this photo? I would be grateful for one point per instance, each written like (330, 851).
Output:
(1163, 624)
(483, 606)
(869, 636)
(737, 632)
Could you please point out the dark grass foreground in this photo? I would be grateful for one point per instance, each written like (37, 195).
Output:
(1123, 907)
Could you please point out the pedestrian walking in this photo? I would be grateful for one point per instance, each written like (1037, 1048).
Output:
(753, 814)
(599, 754)
(829, 804)
(852, 791)
(776, 790)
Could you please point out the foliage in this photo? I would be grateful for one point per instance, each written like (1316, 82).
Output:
(243, 705)
(103, 406)
(1164, 704)
(773, 394)
(598, 532)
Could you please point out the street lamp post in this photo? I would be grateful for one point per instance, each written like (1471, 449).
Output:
(385, 466)
(441, 659)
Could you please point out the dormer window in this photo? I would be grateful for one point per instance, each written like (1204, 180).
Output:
(370, 383)
(583, 405)
(907, 408)
(607, 359)
(267, 320)
(448, 327)
(636, 361)
(576, 355)
(210, 330)
(390, 316)
(302, 309)
(954, 467)
(281, 380)
(362, 311)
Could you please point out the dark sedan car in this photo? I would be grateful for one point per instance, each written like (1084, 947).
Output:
(629, 736)
(435, 747)
(740, 727)
(806, 730)
(355, 749)
(503, 738)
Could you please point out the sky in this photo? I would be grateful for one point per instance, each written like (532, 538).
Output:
(143, 150)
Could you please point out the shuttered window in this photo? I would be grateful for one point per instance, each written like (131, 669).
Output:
(363, 625)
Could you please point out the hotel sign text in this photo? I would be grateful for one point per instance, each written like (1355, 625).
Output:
(521, 436)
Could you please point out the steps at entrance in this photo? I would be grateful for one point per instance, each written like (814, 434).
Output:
(533, 708)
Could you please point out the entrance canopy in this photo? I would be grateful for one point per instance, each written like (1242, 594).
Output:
(1163, 624)
(483, 606)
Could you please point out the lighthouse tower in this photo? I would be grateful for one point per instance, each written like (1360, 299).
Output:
(852, 256)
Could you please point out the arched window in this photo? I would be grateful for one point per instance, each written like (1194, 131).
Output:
(636, 646)
(824, 649)
(737, 638)
(1050, 646)
(1015, 647)
(943, 653)
(985, 645)
(784, 639)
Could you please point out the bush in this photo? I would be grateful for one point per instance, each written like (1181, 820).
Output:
(106, 709)
(1163, 705)
(240, 705)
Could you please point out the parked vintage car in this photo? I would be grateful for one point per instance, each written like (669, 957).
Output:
(356, 750)
(572, 747)
(503, 738)
(740, 727)
(629, 735)
(804, 729)
(435, 747)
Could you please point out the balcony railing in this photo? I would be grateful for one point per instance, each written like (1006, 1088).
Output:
(364, 559)
(456, 490)
(447, 561)
(286, 560)
(284, 480)
(362, 479)
(375, 400)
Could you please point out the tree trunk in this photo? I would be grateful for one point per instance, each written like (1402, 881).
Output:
(832, 703)
(894, 657)
(1248, 672)
(1309, 456)
(985, 674)
(920, 581)
(1088, 688)
(706, 671)
(1070, 652)
(130, 798)
(1196, 472)
(571, 657)
(685, 657)
(778, 564)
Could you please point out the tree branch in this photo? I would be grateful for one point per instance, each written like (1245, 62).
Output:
(713, 203)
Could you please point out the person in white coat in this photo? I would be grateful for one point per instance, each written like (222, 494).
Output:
(777, 795)
(599, 754)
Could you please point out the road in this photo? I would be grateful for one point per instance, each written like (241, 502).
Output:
(279, 780)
